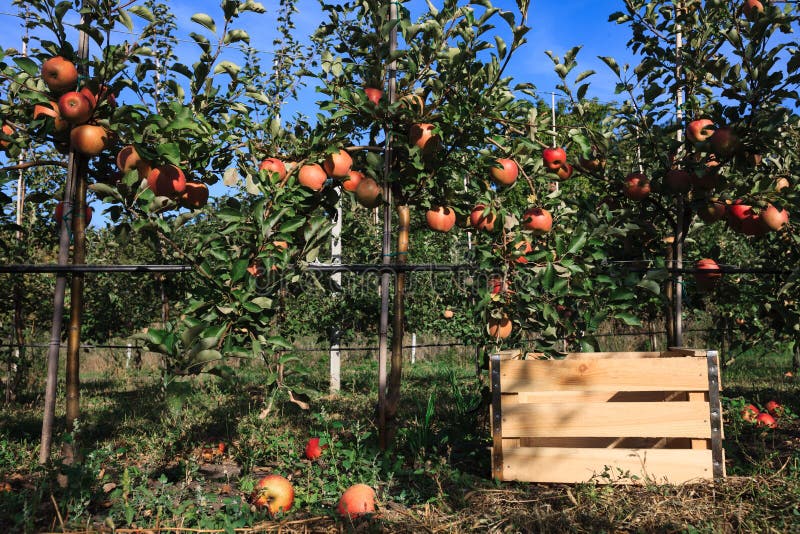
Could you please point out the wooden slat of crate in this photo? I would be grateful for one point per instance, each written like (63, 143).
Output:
(546, 397)
(570, 465)
(603, 419)
(652, 374)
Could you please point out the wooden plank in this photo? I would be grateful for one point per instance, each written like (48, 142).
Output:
(534, 397)
(685, 351)
(611, 355)
(699, 396)
(510, 354)
(633, 419)
(654, 374)
(565, 465)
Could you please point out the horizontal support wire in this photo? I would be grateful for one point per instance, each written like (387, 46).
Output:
(53, 268)
(358, 268)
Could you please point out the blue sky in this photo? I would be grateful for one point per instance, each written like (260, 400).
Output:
(556, 26)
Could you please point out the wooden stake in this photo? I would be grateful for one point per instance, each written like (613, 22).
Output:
(61, 286)
(677, 295)
(386, 247)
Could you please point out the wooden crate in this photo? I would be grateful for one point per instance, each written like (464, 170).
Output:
(621, 417)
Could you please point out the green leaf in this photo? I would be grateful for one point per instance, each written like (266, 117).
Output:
(239, 268)
(234, 36)
(28, 65)
(278, 341)
(577, 243)
(628, 318)
(205, 21)
(143, 12)
(611, 62)
(171, 152)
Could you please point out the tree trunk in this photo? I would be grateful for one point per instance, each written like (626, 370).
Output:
(73, 171)
(399, 313)
(76, 312)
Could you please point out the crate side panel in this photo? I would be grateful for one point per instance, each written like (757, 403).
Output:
(633, 419)
(567, 465)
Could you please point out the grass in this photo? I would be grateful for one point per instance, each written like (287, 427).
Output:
(152, 461)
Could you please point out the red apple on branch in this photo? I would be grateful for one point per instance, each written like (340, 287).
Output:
(636, 186)
(712, 211)
(773, 218)
(312, 176)
(338, 164)
(480, 219)
(678, 180)
(166, 181)
(565, 172)
(194, 196)
(51, 110)
(440, 218)
(699, 130)
(504, 172)
(752, 8)
(537, 220)
(499, 328)
(59, 74)
(89, 139)
(273, 165)
(709, 274)
(368, 193)
(373, 94)
(353, 179)
(554, 158)
(59, 213)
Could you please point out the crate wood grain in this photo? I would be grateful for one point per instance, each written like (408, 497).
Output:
(610, 417)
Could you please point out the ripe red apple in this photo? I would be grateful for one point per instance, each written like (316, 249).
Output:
(59, 213)
(480, 219)
(273, 165)
(59, 74)
(504, 172)
(636, 186)
(712, 212)
(338, 164)
(75, 108)
(273, 492)
(749, 413)
(553, 158)
(51, 110)
(774, 219)
(194, 196)
(678, 180)
(499, 328)
(356, 501)
(765, 419)
(166, 181)
(440, 218)
(523, 248)
(710, 274)
(7, 130)
(129, 159)
(774, 409)
(368, 193)
(699, 130)
(312, 176)
(537, 220)
(314, 449)
(422, 136)
(373, 95)
(564, 172)
(89, 139)
(752, 8)
(353, 179)
(724, 142)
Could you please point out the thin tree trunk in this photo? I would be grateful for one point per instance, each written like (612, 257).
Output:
(386, 245)
(76, 313)
(399, 315)
(670, 290)
(48, 416)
